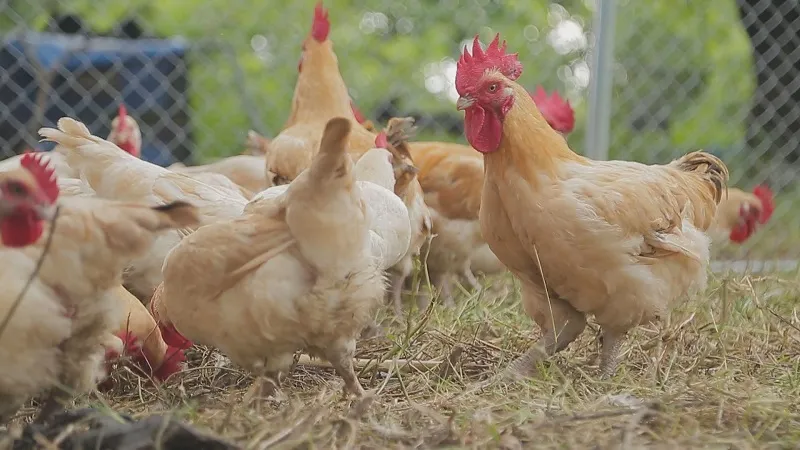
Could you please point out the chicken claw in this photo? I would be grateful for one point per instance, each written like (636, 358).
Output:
(341, 356)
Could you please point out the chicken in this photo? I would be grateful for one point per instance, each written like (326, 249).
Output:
(556, 111)
(245, 171)
(138, 337)
(390, 226)
(125, 133)
(320, 95)
(619, 240)
(293, 273)
(740, 213)
(53, 340)
(117, 175)
(408, 188)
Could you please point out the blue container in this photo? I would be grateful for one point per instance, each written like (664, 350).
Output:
(87, 78)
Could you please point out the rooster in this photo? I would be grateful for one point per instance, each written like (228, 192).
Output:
(451, 176)
(295, 272)
(619, 240)
(54, 340)
(740, 214)
(320, 95)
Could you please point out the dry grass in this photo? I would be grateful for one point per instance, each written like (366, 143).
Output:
(724, 371)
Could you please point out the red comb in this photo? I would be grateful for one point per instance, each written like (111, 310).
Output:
(767, 203)
(121, 115)
(173, 337)
(471, 67)
(558, 112)
(381, 141)
(743, 230)
(44, 174)
(321, 26)
(359, 117)
(130, 343)
(173, 360)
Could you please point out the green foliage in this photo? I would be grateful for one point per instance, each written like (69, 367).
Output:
(681, 57)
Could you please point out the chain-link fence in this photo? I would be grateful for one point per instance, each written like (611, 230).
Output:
(198, 75)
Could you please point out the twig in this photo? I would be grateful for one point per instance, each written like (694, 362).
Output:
(399, 365)
(34, 274)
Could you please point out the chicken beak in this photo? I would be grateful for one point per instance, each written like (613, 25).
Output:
(464, 103)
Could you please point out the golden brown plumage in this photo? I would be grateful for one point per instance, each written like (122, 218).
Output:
(320, 95)
(619, 240)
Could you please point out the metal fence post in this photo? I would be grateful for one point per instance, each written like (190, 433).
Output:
(602, 73)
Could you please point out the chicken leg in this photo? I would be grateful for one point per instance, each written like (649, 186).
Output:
(560, 323)
(340, 354)
(609, 356)
(470, 278)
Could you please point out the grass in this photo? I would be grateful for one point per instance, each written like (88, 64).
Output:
(723, 371)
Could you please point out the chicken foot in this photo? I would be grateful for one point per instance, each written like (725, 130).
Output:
(396, 283)
(340, 355)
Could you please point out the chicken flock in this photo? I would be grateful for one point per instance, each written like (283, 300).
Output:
(293, 245)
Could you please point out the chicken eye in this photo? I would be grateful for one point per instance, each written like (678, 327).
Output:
(17, 189)
(492, 87)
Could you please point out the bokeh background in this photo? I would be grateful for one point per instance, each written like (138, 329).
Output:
(720, 75)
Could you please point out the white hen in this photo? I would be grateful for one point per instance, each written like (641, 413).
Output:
(115, 174)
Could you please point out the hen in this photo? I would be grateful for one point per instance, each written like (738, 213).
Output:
(118, 175)
(407, 187)
(54, 339)
(293, 273)
(618, 240)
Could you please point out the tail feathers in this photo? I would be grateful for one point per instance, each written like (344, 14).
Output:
(710, 167)
(332, 161)
(130, 229)
(70, 133)
(178, 214)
